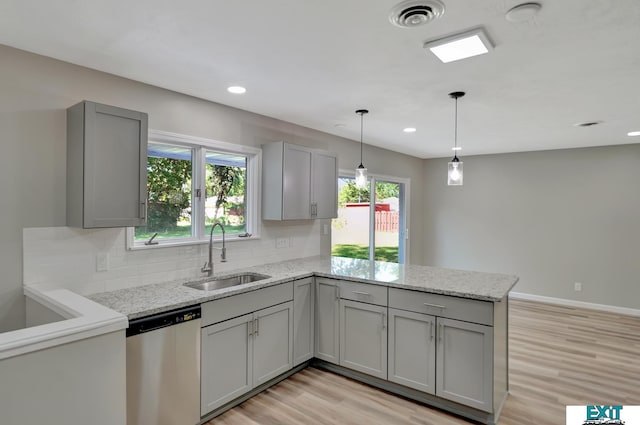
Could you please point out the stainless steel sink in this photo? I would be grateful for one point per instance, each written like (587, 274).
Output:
(226, 281)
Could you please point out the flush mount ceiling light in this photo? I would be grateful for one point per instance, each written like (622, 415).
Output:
(409, 130)
(361, 171)
(454, 171)
(236, 90)
(633, 133)
(460, 46)
(414, 13)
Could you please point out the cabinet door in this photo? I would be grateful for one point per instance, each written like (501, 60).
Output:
(327, 321)
(325, 185)
(115, 167)
(227, 361)
(296, 183)
(303, 320)
(464, 371)
(363, 337)
(272, 342)
(412, 350)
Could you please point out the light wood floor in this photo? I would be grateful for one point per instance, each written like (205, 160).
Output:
(558, 356)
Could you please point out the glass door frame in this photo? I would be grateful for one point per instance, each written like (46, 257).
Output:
(404, 203)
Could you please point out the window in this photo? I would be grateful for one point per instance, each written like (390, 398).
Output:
(193, 183)
(371, 233)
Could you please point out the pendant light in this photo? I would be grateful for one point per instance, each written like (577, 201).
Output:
(454, 174)
(361, 171)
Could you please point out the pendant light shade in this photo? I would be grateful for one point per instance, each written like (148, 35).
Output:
(454, 171)
(361, 171)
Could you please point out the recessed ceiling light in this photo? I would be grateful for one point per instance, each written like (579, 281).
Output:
(236, 90)
(633, 133)
(523, 12)
(460, 46)
(587, 124)
(339, 125)
(409, 130)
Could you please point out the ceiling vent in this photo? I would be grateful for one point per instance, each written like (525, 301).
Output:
(414, 13)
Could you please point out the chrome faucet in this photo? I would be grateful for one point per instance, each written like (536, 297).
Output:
(208, 266)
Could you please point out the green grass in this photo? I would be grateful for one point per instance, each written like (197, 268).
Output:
(185, 232)
(383, 253)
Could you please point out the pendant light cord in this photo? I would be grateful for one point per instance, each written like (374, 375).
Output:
(361, 112)
(455, 132)
(361, 130)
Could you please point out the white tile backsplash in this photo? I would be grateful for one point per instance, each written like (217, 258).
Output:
(64, 257)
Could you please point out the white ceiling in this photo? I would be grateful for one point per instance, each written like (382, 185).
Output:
(315, 62)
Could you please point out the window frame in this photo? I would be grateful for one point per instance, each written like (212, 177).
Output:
(199, 146)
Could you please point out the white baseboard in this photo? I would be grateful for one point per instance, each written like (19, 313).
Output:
(573, 303)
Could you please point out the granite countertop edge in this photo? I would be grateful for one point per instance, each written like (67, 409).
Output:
(147, 300)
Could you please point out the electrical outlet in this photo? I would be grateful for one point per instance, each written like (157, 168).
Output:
(325, 229)
(102, 262)
(577, 286)
(282, 242)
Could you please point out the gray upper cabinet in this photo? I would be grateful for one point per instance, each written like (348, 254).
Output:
(106, 166)
(298, 183)
(303, 320)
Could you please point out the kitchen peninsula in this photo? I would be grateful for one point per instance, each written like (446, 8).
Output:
(434, 335)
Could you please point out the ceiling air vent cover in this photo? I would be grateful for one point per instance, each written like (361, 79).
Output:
(413, 13)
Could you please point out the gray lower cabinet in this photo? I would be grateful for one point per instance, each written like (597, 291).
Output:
(303, 320)
(272, 342)
(363, 337)
(412, 350)
(464, 371)
(327, 332)
(227, 362)
(242, 353)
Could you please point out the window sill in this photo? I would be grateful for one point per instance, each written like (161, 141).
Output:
(178, 243)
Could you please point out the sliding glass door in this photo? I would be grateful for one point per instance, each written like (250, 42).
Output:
(366, 230)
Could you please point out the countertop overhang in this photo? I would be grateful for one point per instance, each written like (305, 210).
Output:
(157, 298)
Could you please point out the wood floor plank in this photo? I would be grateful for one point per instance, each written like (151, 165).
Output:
(558, 356)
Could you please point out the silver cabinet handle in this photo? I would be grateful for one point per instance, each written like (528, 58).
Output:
(257, 326)
(337, 292)
(250, 328)
(384, 321)
(440, 332)
(143, 209)
(431, 331)
(365, 294)
(435, 305)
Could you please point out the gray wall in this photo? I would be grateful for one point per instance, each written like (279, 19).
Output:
(552, 217)
(35, 94)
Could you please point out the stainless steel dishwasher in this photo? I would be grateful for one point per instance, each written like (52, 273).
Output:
(163, 369)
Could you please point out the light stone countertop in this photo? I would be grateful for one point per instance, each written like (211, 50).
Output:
(151, 299)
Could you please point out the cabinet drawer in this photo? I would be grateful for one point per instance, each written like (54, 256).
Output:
(442, 305)
(363, 292)
(236, 305)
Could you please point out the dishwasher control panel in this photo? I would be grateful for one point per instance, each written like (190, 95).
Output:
(163, 320)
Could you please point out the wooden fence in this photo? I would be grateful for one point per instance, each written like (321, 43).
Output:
(387, 221)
